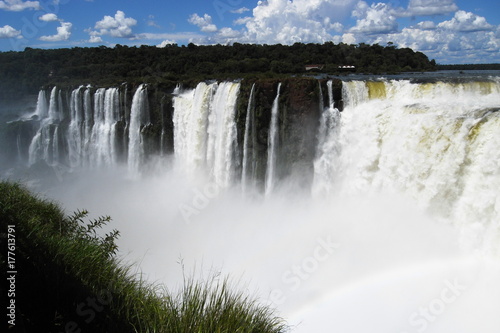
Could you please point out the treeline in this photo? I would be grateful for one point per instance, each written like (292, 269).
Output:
(24, 72)
(469, 67)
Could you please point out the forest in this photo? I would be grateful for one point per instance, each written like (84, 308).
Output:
(26, 71)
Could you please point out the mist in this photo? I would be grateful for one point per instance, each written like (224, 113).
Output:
(351, 264)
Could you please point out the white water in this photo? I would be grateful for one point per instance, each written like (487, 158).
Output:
(43, 146)
(75, 140)
(139, 117)
(401, 235)
(249, 134)
(205, 131)
(272, 145)
(222, 137)
(432, 142)
(42, 105)
(103, 142)
(89, 139)
(326, 163)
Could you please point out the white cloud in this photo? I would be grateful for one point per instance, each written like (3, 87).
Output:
(240, 10)
(317, 21)
(204, 23)
(430, 7)
(426, 25)
(280, 21)
(63, 33)
(242, 20)
(19, 5)
(95, 39)
(48, 17)
(375, 19)
(117, 26)
(9, 32)
(165, 43)
(466, 22)
(349, 38)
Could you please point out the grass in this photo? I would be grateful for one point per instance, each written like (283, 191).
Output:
(70, 280)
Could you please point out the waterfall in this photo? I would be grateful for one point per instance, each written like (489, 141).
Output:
(139, 117)
(55, 105)
(56, 157)
(43, 146)
(42, 105)
(163, 120)
(103, 142)
(272, 145)
(75, 135)
(191, 109)
(433, 142)
(325, 164)
(205, 136)
(249, 126)
(222, 134)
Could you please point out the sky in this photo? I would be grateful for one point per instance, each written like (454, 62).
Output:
(449, 31)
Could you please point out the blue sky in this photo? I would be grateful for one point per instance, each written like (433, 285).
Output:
(450, 31)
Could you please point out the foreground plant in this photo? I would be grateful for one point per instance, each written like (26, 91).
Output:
(70, 280)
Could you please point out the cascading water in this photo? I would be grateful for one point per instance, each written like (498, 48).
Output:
(273, 145)
(222, 135)
(325, 164)
(103, 152)
(205, 135)
(42, 105)
(45, 144)
(249, 142)
(432, 141)
(89, 137)
(75, 135)
(191, 109)
(139, 117)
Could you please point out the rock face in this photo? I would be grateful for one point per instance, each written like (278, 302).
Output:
(299, 108)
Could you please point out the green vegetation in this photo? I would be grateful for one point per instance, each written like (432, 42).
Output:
(25, 72)
(69, 280)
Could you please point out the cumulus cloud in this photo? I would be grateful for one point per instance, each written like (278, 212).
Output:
(9, 32)
(48, 17)
(117, 26)
(466, 22)
(280, 21)
(19, 5)
(63, 33)
(95, 39)
(375, 19)
(165, 43)
(317, 21)
(204, 23)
